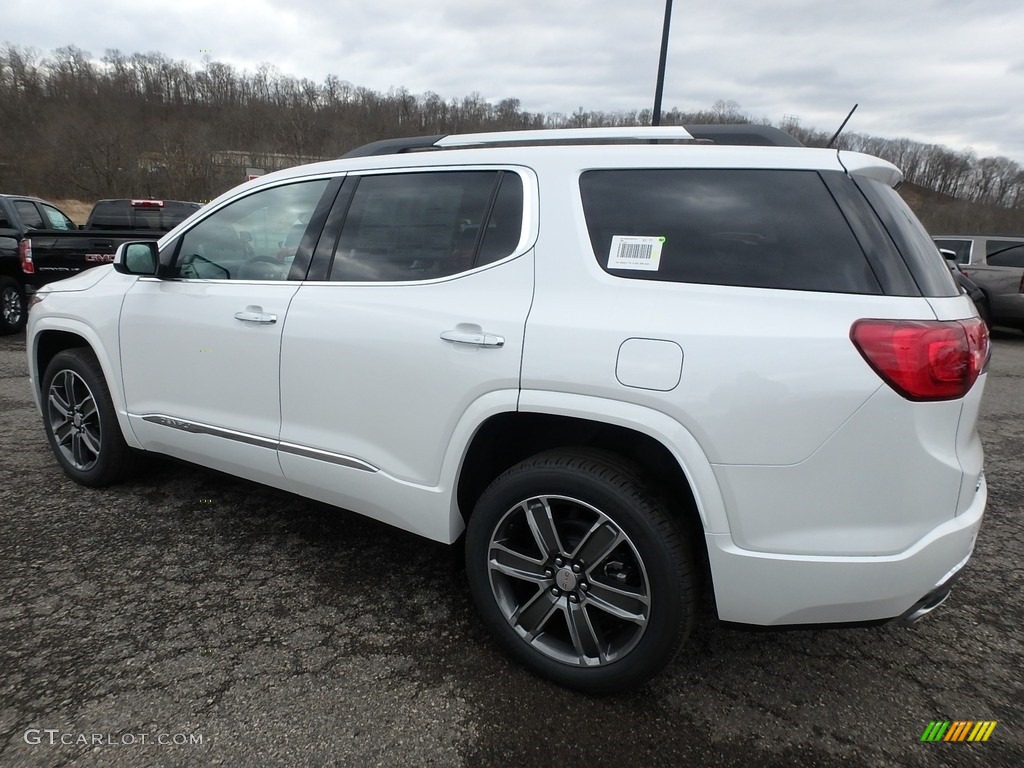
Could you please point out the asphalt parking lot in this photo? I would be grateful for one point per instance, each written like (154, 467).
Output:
(192, 619)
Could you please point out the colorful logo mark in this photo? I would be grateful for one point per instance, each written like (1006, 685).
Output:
(958, 730)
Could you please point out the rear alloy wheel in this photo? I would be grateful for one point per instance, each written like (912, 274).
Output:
(80, 421)
(12, 307)
(579, 571)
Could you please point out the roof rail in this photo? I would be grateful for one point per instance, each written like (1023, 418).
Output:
(464, 140)
(669, 133)
(394, 146)
(740, 134)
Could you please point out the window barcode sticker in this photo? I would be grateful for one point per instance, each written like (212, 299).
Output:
(632, 252)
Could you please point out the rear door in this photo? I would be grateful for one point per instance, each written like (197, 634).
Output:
(416, 318)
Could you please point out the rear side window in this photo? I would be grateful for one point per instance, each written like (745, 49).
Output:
(57, 219)
(927, 266)
(29, 215)
(753, 228)
(420, 226)
(1005, 253)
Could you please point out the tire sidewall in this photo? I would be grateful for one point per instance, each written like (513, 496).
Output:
(668, 573)
(84, 365)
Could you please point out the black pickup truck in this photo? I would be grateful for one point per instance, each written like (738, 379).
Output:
(39, 243)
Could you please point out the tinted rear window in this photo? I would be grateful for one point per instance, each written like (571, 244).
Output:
(920, 253)
(419, 226)
(29, 215)
(754, 228)
(121, 214)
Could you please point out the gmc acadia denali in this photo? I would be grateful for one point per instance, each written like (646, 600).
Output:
(632, 367)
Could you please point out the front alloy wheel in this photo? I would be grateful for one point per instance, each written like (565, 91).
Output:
(80, 421)
(579, 571)
(74, 420)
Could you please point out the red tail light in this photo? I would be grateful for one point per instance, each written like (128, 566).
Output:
(25, 254)
(924, 359)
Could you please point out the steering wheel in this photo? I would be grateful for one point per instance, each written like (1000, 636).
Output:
(261, 268)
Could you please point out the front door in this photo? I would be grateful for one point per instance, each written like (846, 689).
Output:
(204, 341)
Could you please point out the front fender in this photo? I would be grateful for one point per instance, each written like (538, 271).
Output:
(102, 340)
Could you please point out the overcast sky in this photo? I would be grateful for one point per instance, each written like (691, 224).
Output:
(940, 71)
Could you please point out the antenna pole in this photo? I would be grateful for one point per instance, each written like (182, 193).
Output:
(660, 87)
(836, 134)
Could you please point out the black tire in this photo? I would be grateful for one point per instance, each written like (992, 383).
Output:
(13, 312)
(624, 575)
(80, 421)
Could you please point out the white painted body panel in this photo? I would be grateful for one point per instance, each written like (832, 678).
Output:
(87, 305)
(822, 494)
(774, 589)
(366, 374)
(203, 365)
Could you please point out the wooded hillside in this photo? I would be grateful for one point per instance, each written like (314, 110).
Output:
(144, 125)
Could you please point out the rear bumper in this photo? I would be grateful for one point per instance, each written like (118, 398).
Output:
(779, 589)
(929, 602)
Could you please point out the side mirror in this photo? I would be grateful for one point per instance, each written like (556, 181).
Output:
(137, 258)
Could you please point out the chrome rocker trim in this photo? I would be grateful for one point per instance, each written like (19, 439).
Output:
(305, 451)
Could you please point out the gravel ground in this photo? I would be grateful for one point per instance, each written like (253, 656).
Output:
(191, 619)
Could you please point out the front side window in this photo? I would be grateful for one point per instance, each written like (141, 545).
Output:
(254, 238)
(752, 228)
(1005, 253)
(420, 226)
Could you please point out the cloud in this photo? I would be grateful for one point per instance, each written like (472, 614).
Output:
(941, 71)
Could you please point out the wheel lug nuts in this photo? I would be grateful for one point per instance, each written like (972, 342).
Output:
(556, 591)
(584, 586)
(576, 568)
(548, 573)
(559, 562)
(573, 598)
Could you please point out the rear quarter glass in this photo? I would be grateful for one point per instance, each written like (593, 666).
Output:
(915, 245)
(752, 228)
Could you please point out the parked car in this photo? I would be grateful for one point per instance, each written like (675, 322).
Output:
(625, 375)
(145, 214)
(996, 265)
(39, 243)
(967, 286)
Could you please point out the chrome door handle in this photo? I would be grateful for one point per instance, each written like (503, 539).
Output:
(475, 339)
(254, 314)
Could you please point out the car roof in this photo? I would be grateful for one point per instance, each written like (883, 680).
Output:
(577, 150)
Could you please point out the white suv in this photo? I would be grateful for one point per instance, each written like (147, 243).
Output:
(633, 367)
